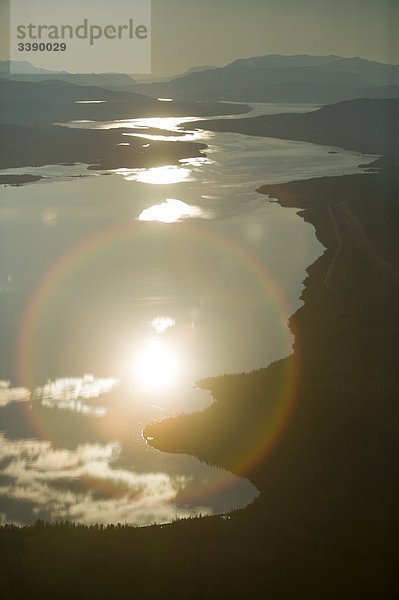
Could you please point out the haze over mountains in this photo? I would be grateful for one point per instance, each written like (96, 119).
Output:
(273, 78)
(276, 78)
(24, 71)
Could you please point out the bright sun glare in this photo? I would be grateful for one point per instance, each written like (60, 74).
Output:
(156, 367)
(163, 175)
(170, 211)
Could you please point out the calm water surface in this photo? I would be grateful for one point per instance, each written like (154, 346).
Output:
(118, 291)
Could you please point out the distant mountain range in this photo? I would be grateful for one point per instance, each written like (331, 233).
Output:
(276, 78)
(273, 78)
(24, 71)
(157, 79)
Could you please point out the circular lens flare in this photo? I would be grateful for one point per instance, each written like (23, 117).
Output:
(156, 367)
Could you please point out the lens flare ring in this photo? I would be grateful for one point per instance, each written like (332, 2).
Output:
(185, 233)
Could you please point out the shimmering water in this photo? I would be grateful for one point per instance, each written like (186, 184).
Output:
(117, 292)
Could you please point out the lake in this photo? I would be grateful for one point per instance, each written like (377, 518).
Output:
(118, 291)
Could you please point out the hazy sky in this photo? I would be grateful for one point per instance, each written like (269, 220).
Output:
(188, 33)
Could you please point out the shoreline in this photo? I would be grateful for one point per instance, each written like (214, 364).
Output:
(369, 126)
(355, 282)
(324, 524)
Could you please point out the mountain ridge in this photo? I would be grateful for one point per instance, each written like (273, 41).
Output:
(302, 78)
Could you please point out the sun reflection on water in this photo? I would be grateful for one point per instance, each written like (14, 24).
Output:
(163, 175)
(145, 125)
(166, 123)
(170, 211)
(169, 174)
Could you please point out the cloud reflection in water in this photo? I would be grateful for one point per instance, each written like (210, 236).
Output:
(161, 324)
(9, 395)
(70, 393)
(83, 485)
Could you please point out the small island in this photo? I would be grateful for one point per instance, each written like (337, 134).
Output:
(16, 180)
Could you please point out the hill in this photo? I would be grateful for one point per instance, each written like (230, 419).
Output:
(52, 101)
(368, 126)
(275, 78)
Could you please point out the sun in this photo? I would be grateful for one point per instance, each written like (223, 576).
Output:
(155, 367)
